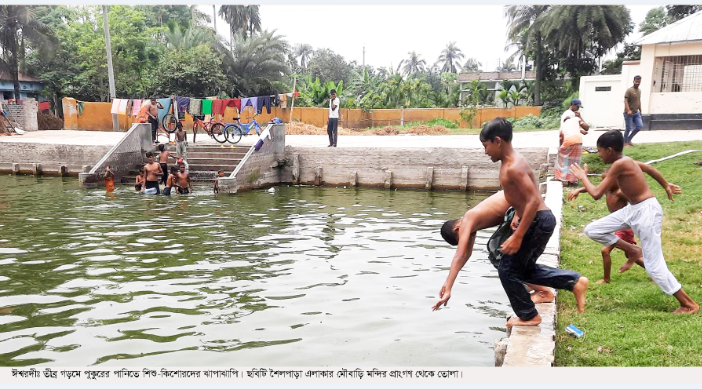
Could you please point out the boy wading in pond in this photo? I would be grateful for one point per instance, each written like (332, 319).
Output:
(644, 216)
(220, 174)
(536, 224)
(183, 181)
(615, 201)
(152, 172)
(163, 156)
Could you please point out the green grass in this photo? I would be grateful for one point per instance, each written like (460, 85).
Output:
(452, 130)
(630, 319)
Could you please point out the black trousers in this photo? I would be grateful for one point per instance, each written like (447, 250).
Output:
(154, 128)
(332, 130)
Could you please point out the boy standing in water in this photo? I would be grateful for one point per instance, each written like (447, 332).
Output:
(644, 215)
(183, 181)
(139, 182)
(220, 173)
(615, 201)
(152, 172)
(109, 180)
(163, 161)
(536, 225)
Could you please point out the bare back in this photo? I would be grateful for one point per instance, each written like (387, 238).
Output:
(630, 179)
(516, 192)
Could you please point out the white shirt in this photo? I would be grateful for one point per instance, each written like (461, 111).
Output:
(334, 114)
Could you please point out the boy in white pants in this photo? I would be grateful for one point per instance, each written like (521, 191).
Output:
(644, 215)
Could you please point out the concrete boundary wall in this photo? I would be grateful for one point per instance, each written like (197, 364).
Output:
(535, 346)
(52, 159)
(429, 168)
(123, 157)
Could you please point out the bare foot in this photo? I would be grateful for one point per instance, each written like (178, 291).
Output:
(626, 266)
(602, 281)
(516, 321)
(542, 296)
(687, 310)
(579, 292)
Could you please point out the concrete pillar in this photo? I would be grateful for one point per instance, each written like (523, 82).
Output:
(388, 179)
(430, 178)
(31, 107)
(353, 179)
(15, 168)
(36, 169)
(318, 176)
(464, 178)
(296, 169)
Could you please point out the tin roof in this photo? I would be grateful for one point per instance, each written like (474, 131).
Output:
(684, 30)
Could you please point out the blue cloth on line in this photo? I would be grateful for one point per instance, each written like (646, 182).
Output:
(252, 101)
(166, 107)
(183, 103)
(263, 101)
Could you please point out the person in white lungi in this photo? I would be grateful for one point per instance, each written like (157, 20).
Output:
(644, 215)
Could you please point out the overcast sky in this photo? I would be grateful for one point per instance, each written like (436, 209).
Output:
(389, 32)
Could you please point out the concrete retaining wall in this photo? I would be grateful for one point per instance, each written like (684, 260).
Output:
(25, 114)
(262, 168)
(430, 168)
(121, 158)
(50, 157)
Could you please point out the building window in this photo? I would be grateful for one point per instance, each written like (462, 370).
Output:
(677, 74)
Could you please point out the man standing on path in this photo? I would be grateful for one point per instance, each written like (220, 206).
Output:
(632, 111)
(333, 124)
(149, 111)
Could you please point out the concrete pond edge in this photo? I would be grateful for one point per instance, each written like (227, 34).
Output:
(535, 346)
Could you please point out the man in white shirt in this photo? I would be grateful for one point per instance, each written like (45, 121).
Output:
(333, 123)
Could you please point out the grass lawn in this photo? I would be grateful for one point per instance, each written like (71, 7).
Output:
(629, 322)
(455, 131)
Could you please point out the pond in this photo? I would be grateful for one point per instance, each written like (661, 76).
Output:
(291, 276)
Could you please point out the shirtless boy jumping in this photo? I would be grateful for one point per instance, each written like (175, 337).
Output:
(615, 201)
(644, 215)
(536, 225)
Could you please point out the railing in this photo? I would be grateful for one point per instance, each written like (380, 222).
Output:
(248, 154)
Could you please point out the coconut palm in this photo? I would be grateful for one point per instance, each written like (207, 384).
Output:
(17, 23)
(472, 65)
(450, 58)
(259, 61)
(413, 64)
(575, 30)
(524, 23)
(244, 19)
(303, 52)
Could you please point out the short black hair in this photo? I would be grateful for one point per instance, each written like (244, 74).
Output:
(179, 125)
(333, 91)
(161, 147)
(448, 234)
(613, 139)
(497, 127)
(174, 170)
(149, 154)
(637, 77)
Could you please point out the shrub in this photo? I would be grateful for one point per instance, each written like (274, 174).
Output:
(443, 122)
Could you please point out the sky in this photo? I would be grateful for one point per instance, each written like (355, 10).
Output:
(390, 32)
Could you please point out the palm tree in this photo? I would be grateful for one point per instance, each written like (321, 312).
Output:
(576, 30)
(17, 22)
(450, 58)
(259, 61)
(472, 65)
(245, 19)
(413, 64)
(304, 52)
(526, 20)
(188, 39)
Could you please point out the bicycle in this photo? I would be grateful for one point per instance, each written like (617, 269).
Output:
(213, 128)
(234, 131)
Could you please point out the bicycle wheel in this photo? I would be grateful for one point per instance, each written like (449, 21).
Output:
(169, 123)
(218, 133)
(233, 132)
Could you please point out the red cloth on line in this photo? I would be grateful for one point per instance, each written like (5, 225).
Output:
(235, 103)
(218, 107)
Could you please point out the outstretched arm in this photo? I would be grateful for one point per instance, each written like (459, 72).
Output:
(595, 191)
(459, 260)
(653, 172)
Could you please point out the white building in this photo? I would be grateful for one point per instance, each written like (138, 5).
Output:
(671, 85)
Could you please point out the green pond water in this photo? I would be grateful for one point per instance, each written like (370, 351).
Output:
(292, 276)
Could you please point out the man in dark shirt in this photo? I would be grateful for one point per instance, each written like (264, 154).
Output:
(632, 111)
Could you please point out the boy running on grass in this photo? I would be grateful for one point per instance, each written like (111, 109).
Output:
(644, 215)
(615, 201)
(536, 225)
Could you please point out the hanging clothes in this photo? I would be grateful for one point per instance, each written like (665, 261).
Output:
(207, 107)
(136, 105)
(218, 107)
(283, 99)
(264, 101)
(115, 106)
(195, 107)
(122, 110)
(81, 107)
(252, 101)
(143, 115)
(183, 103)
(166, 103)
(235, 103)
